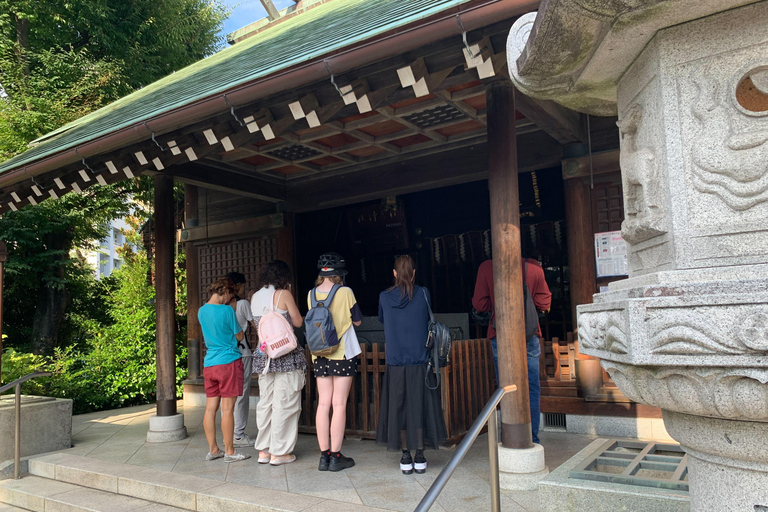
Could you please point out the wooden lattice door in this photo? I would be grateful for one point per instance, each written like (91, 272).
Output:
(245, 256)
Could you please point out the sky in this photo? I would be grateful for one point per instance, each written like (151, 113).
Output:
(245, 12)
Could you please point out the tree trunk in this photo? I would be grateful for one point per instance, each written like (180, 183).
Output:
(51, 302)
(22, 40)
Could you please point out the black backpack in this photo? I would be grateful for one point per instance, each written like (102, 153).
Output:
(439, 344)
(531, 316)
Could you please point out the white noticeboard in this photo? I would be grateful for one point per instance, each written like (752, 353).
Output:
(610, 254)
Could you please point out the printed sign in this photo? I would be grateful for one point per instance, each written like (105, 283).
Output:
(610, 254)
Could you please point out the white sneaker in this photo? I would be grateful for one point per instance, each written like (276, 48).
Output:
(214, 456)
(245, 440)
(236, 457)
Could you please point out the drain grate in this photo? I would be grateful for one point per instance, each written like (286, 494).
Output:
(554, 420)
(664, 466)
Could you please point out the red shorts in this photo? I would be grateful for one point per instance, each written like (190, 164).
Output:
(225, 380)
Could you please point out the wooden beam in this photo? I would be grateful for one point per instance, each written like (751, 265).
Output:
(460, 162)
(600, 163)
(248, 186)
(562, 124)
(237, 227)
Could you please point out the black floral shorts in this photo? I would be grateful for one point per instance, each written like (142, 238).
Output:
(324, 367)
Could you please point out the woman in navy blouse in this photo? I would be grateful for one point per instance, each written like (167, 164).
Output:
(410, 416)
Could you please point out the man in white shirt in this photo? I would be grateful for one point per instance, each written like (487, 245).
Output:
(242, 308)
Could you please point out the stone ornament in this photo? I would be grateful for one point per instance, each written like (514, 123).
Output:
(731, 164)
(691, 332)
(732, 393)
(603, 330)
(643, 193)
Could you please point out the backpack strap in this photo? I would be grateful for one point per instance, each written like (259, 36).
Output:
(274, 306)
(429, 308)
(327, 301)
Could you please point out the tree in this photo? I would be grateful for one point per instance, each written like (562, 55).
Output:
(43, 267)
(60, 60)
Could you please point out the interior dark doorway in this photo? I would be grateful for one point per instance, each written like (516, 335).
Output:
(446, 231)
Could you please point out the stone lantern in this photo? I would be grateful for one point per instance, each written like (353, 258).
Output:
(688, 331)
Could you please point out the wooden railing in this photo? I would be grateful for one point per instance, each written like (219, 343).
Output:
(466, 386)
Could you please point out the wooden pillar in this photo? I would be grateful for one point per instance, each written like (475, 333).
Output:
(194, 334)
(581, 251)
(507, 265)
(165, 296)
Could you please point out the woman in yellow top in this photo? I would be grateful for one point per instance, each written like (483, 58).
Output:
(334, 373)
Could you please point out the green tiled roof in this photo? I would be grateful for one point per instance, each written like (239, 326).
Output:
(319, 31)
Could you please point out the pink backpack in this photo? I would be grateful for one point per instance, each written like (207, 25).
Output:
(276, 337)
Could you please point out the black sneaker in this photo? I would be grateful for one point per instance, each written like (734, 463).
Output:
(339, 462)
(420, 463)
(325, 458)
(406, 463)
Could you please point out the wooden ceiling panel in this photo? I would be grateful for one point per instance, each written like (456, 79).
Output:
(476, 102)
(325, 160)
(308, 131)
(357, 117)
(412, 101)
(384, 128)
(410, 141)
(464, 127)
(289, 169)
(266, 142)
(334, 141)
(464, 86)
(368, 151)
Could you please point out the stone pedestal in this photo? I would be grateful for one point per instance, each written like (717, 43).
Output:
(521, 470)
(165, 429)
(724, 454)
(688, 331)
(46, 425)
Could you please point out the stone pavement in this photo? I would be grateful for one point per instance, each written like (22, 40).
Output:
(375, 481)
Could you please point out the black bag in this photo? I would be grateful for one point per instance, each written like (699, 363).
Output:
(439, 343)
(531, 316)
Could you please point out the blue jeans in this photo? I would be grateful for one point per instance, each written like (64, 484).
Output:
(534, 385)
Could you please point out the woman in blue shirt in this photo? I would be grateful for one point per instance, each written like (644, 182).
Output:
(410, 416)
(222, 368)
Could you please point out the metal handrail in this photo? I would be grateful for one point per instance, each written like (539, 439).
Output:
(487, 415)
(17, 434)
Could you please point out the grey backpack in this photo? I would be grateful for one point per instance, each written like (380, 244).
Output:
(321, 333)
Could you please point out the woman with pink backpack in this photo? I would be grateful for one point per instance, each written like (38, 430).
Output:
(281, 376)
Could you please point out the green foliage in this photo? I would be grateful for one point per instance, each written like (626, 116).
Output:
(61, 59)
(44, 250)
(116, 365)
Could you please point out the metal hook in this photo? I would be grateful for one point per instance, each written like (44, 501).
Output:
(153, 138)
(232, 111)
(333, 82)
(464, 38)
(82, 159)
(39, 186)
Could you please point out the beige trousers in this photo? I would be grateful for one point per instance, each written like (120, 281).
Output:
(278, 410)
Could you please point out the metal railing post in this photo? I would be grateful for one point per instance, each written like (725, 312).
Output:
(17, 421)
(488, 414)
(17, 445)
(493, 458)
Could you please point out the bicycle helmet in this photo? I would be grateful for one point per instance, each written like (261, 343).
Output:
(331, 264)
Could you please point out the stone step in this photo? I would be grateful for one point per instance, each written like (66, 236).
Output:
(61, 473)
(38, 494)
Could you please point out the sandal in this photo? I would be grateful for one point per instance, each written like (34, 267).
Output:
(264, 457)
(279, 460)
